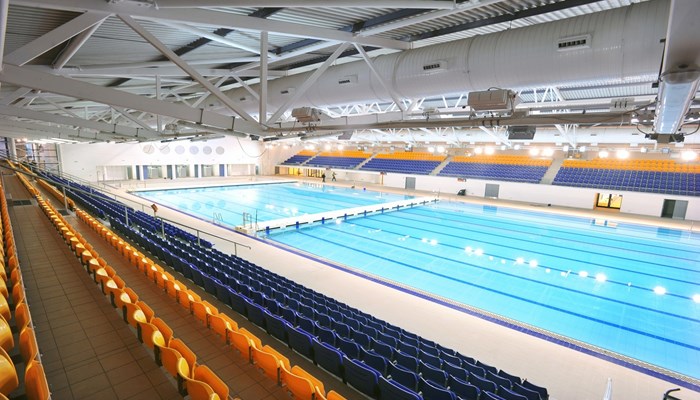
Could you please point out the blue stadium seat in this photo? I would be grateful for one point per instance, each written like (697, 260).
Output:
(361, 376)
(328, 357)
(392, 390)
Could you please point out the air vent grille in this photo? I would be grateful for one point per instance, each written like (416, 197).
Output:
(574, 43)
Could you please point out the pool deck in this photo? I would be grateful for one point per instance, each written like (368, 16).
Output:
(568, 373)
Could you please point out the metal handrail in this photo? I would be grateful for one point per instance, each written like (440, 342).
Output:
(115, 201)
(235, 244)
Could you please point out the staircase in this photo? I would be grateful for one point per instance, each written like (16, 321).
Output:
(360, 165)
(552, 171)
(442, 165)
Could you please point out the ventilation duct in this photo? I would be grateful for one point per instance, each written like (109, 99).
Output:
(676, 92)
(618, 46)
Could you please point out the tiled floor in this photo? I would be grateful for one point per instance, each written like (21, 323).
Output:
(567, 373)
(87, 349)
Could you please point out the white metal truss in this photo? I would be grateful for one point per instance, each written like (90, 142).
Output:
(52, 39)
(74, 45)
(209, 18)
(81, 90)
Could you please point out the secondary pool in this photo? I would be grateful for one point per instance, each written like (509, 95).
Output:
(264, 202)
(630, 289)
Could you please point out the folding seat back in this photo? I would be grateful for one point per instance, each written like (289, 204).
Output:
(267, 362)
(508, 394)
(133, 314)
(406, 378)
(490, 396)
(454, 370)
(317, 384)
(300, 341)
(147, 311)
(254, 339)
(333, 395)
(429, 372)
(8, 374)
(7, 342)
(300, 387)
(284, 361)
(483, 384)
(463, 389)
(499, 380)
(473, 369)
(27, 345)
(202, 310)
(430, 359)
(392, 390)
(241, 343)
(221, 324)
(486, 367)
(382, 348)
(328, 358)
(348, 347)
(362, 377)
(184, 351)
(528, 393)
(204, 374)
(544, 395)
(164, 329)
(35, 384)
(375, 360)
(406, 361)
(433, 391)
(276, 326)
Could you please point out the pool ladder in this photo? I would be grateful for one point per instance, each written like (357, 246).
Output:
(218, 219)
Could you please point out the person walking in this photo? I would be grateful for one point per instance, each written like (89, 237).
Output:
(333, 177)
(323, 177)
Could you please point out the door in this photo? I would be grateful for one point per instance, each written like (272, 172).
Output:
(410, 183)
(491, 190)
(675, 209)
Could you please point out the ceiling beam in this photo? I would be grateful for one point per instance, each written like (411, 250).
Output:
(48, 41)
(307, 83)
(82, 90)
(145, 71)
(507, 17)
(74, 45)
(214, 19)
(121, 130)
(185, 67)
(418, 4)
(4, 9)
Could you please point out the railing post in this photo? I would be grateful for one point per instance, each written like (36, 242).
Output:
(65, 199)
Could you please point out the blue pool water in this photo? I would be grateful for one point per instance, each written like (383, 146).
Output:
(264, 202)
(589, 280)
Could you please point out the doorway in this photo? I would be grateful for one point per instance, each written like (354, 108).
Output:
(609, 201)
(675, 209)
(491, 190)
(410, 183)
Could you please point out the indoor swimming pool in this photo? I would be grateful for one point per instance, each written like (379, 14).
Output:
(630, 289)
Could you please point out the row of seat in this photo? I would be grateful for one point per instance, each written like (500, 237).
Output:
(504, 159)
(195, 380)
(302, 384)
(633, 164)
(501, 172)
(640, 181)
(315, 331)
(28, 381)
(243, 292)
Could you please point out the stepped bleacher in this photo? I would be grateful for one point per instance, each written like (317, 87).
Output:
(299, 158)
(498, 167)
(404, 163)
(347, 159)
(379, 359)
(655, 176)
(21, 370)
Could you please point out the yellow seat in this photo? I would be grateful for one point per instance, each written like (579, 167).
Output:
(300, 387)
(8, 374)
(7, 342)
(5, 309)
(127, 296)
(241, 343)
(202, 309)
(132, 314)
(146, 332)
(203, 374)
(27, 345)
(3, 289)
(333, 395)
(173, 288)
(163, 328)
(188, 358)
(283, 359)
(254, 339)
(318, 385)
(221, 324)
(267, 362)
(21, 316)
(147, 310)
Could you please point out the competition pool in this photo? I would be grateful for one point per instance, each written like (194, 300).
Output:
(630, 289)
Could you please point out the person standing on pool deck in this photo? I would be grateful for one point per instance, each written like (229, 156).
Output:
(323, 177)
(333, 177)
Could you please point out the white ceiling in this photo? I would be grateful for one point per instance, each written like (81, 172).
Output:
(89, 70)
